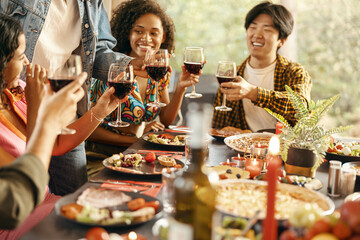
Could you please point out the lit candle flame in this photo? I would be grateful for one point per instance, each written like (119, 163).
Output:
(132, 235)
(274, 145)
(227, 161)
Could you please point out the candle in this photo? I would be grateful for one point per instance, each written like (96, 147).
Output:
(239, 161)
(253, 166)
(270, 223)
(279, 126)
(228, 163)
(133, 236)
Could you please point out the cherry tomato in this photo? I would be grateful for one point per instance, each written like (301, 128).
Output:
(97, 233)
(341, 230)
(136, 204)
(153, 204)
(322, 225)
(150, 157)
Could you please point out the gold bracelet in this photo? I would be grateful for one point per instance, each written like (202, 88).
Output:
(93, 116)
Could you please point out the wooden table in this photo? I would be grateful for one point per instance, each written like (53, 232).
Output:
(54, 227)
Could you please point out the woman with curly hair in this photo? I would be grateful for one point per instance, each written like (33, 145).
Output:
(19, 105)
(139, 25)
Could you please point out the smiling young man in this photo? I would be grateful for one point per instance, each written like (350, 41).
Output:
(263, 75)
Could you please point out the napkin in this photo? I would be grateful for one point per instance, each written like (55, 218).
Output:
(179, 129)
(143, 186)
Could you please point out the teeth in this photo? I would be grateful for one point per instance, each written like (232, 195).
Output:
(258, 44)
(146, 47)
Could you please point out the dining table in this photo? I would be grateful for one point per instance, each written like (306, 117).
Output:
(57, 227)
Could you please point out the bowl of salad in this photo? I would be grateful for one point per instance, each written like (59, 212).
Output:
(344, 149)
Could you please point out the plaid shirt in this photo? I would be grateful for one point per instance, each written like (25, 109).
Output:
(277, 100)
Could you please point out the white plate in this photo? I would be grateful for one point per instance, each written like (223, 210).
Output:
(237, 142)
(301, 192)
(353, 197)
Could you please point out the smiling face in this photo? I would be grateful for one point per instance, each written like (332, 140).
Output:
(12, 71)
(146, 33)
(262, 41)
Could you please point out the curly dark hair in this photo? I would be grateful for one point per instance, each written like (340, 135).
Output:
(125, 15)
(282, 18)
(10, 30)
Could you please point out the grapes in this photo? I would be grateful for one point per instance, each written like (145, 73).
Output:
(305, 216)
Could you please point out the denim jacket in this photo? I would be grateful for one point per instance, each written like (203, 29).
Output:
(96, 42)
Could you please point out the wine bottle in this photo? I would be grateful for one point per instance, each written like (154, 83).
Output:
(194, 195)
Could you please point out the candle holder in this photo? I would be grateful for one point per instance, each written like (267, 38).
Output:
(239, 161)
(228, 163)
(254, 166)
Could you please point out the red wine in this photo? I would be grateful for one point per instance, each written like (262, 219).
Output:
(122, 89)
(58, 83)
(156, 73)
(225, 79)
(193, 68)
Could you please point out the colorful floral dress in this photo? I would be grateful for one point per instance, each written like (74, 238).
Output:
(134, 110)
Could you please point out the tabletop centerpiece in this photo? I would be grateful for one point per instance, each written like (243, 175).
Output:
(304, 144)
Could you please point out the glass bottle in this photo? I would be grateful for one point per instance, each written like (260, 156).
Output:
(195, 197)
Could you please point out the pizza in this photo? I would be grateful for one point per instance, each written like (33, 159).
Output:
(244, 142)
(227, 131)
(244, 198)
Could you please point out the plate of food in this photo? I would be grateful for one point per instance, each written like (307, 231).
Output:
(227, 172)
(108, 208)
(307, 182)
(165, 139)
(221, 134)
(244, 198)
(135, 163)
(344, 149)
(243, 142)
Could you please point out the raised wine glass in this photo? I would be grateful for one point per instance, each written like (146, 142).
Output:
(122, 79)
(194, 61)
(157, 65)
(61, 72)
(226, 72)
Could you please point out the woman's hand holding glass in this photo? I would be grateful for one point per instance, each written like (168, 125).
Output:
(122, 80)
(62, 72)
(157, 66)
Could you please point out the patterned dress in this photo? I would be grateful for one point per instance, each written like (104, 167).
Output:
(134, 110)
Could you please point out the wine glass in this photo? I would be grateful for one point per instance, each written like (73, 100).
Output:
(157, 65)
(122, 79)
(226, 72)
(61, 72)
(194, 61)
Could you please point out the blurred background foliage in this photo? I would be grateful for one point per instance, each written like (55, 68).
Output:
(327, 40)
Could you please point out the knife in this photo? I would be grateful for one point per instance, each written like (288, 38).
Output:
(120, 183)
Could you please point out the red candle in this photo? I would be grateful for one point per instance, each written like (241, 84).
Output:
(279, 126)
(270, 223)
(253, 166)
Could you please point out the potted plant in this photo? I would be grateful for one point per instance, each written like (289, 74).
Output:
(304, 144)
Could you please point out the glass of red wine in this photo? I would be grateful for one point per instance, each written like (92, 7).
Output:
(61, 72)
(157, 65)
(122, 79)
(226, 72)
(194, 61)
